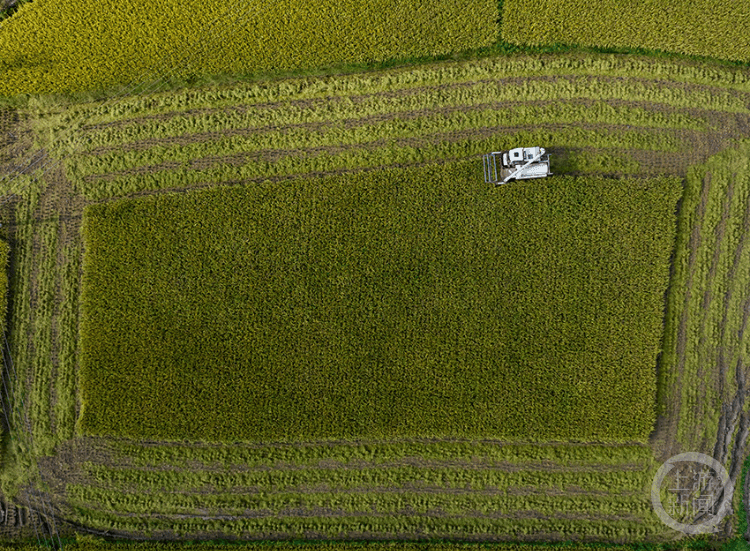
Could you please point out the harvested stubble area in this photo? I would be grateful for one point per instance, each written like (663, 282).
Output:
(607, 115)
(706, 352)
(600, 116)
(481, 490)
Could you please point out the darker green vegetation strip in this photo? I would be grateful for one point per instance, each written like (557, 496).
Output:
(399, 303)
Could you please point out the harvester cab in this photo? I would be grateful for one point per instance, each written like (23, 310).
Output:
(515, 164)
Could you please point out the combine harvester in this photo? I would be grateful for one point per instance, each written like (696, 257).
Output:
(516, 164)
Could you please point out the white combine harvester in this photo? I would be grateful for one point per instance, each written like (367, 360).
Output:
(516, 164)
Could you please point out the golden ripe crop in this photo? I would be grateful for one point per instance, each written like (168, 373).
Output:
(48, 47)
(700, 28)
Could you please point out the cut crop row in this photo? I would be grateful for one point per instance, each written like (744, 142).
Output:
(60, 114)
(342, 134)
(298, 162)
(66, 326)
(388, 502)
(602, 528)
(311, 454)
(415, 478)
(95, 544)
(43, 281)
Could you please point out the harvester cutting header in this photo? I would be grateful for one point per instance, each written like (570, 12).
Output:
(516, 164)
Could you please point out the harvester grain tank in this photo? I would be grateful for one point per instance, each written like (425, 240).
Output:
(516, 164)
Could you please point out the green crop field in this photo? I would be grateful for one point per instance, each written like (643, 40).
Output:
(107, 43)
(181, 234)
(684, 27)
(394, 303)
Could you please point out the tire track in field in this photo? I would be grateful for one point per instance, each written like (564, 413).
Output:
(664, 437)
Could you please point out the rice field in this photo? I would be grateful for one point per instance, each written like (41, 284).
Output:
(380, 305)
(47, 48)
(687, 28)
(603, 118)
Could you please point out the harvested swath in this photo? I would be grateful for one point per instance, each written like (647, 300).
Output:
(343, 123)
(370, 305)
(189, 101)
(706, 308)
(455, 484)
(392, 126)
(513, 102)
(433, 148)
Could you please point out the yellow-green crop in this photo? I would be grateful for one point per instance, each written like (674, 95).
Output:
(710, 28)
(48, 47)
(396, 303)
